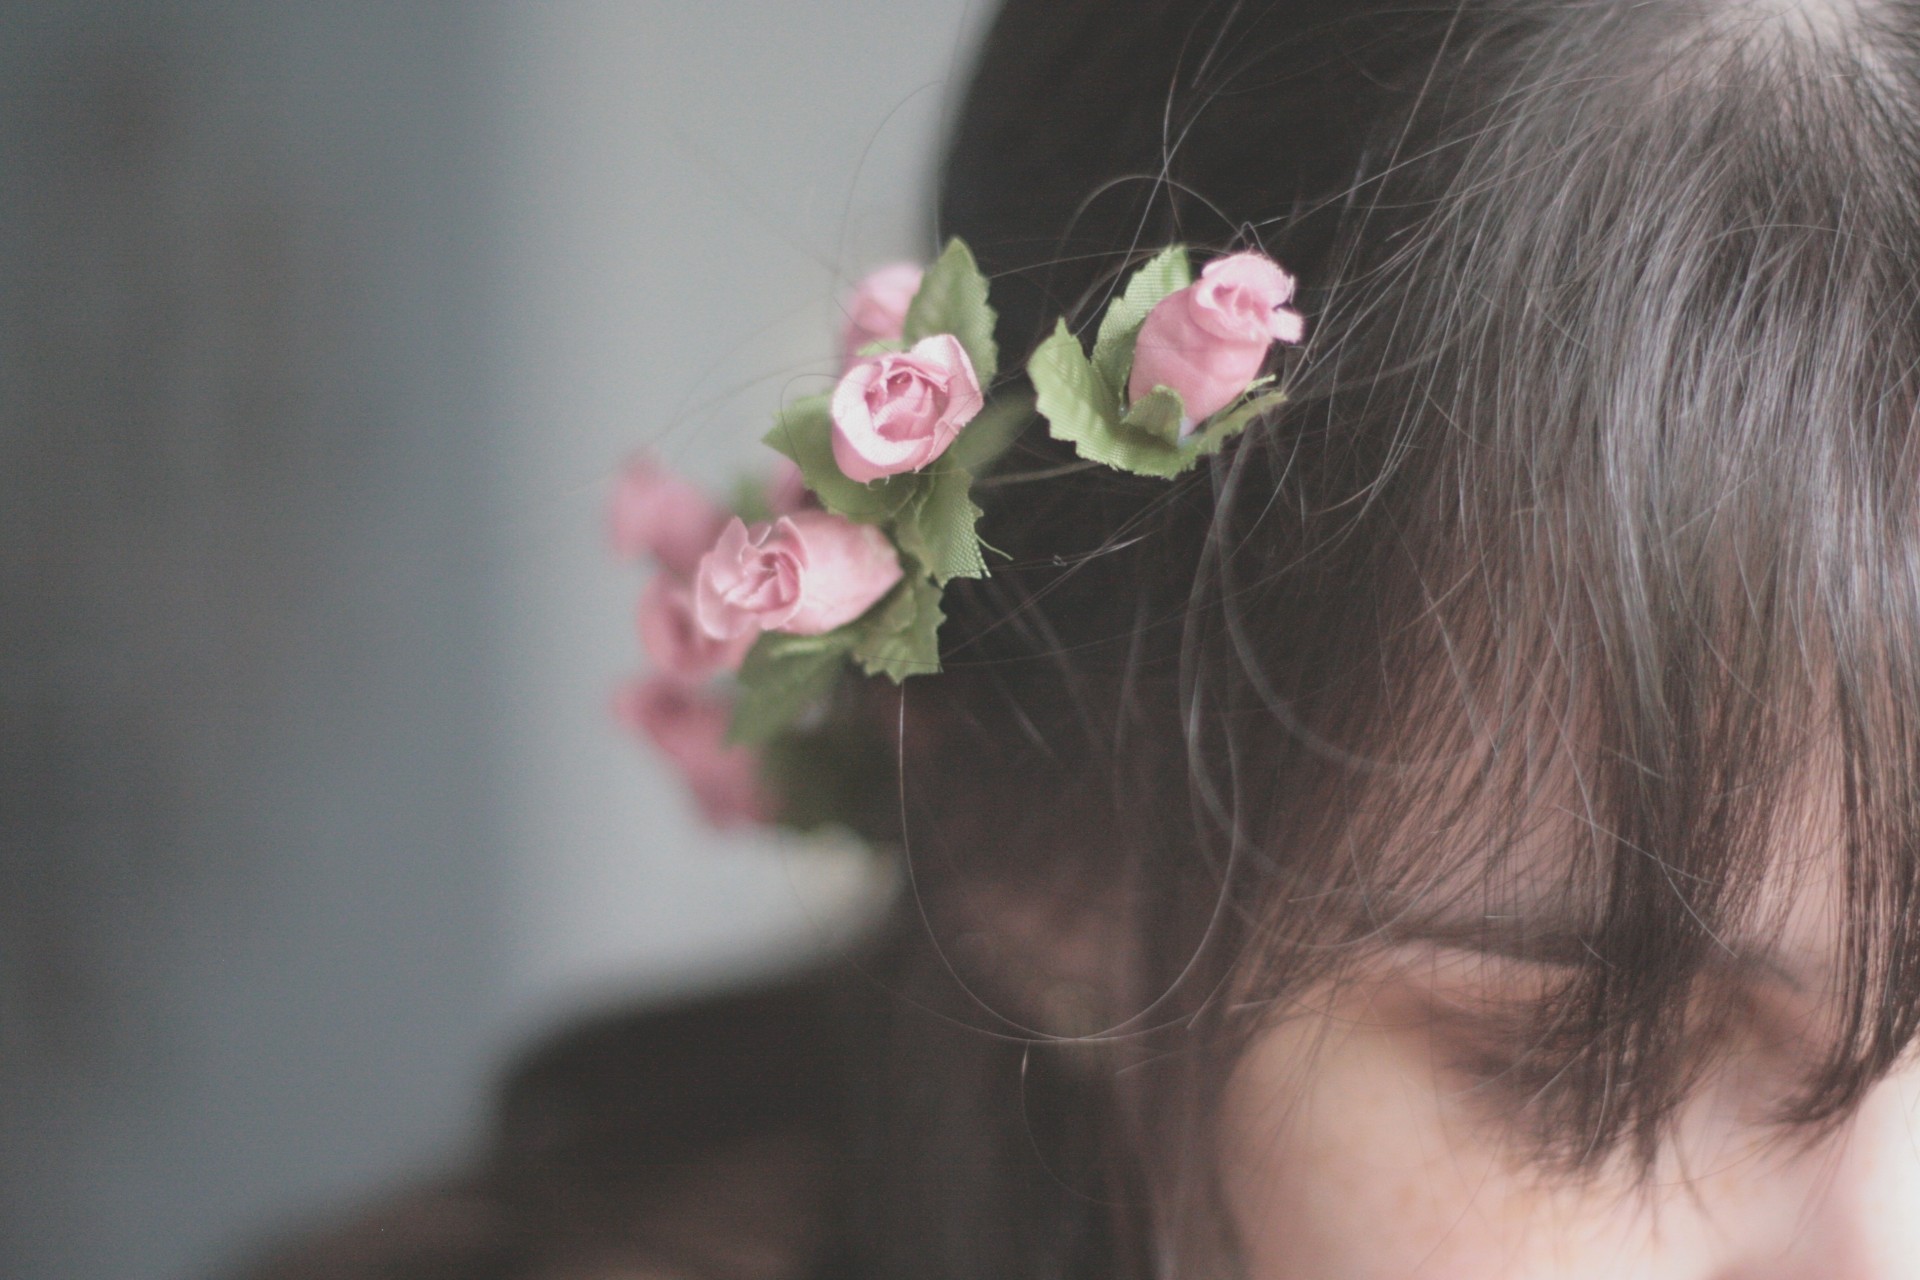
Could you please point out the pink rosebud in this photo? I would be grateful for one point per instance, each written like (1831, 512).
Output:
(673, 638)
(787, 490)
(804, 574)
(898, 412)
(877, 308)
(689, 727)
(1208, 340)
(656, 513)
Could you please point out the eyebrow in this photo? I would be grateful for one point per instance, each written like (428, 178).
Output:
(1558, 942)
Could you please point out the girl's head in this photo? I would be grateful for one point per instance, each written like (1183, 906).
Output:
(1473, 827)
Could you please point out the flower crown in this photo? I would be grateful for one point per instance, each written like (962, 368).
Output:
(756, 611)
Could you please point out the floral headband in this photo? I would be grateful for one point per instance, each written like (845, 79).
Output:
(755, 611)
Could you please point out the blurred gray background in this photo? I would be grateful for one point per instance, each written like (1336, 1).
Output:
(322, 328)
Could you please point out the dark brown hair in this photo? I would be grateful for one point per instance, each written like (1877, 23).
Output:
(1580, 571)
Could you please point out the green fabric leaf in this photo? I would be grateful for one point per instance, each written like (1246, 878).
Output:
(953, 299)
(750, 499)
(782, 678)
(1224, 426)
(937, 527)
(1168, 272)
(804, 432)
(900, 638)
(1144, 455)
(992, 431)
(1157, 414)
(1078, 407)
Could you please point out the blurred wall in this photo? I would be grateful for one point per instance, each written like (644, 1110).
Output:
(321, 328)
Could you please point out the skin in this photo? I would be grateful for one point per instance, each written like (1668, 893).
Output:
(1367, 1137)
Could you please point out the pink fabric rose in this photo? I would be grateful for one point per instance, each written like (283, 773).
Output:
(804, 574)
(877, 308)
(1208, 340)
(900, 411)
(673, 637)
(656, 513)
(689, 727)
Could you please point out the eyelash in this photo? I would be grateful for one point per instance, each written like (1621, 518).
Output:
(1488, 1053)
(1503, 1069)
